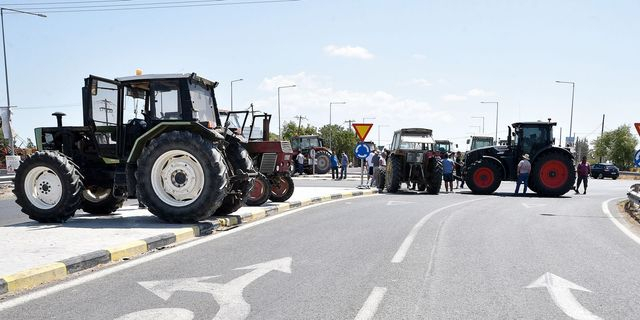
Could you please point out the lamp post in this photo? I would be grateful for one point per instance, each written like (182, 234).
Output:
(496, 102)
(330, 130)
(380, 126)
(280, 123)
(480, 117)
(232, 81)
(573, 89)
(6, 74)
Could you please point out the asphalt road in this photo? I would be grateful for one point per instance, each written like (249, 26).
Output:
(404, 256)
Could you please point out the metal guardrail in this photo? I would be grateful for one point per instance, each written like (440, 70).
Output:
(634, 194)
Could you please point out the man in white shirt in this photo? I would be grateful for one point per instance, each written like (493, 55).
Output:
(524, 167)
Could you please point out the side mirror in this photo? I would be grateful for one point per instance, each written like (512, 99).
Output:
(456, 146)
(468, 141)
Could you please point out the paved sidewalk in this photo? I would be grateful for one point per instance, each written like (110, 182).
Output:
(35, 253)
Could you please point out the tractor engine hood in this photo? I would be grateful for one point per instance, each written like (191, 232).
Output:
(477, 154)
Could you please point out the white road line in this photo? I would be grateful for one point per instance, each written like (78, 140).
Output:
(406, 244)
(129, 264)
(370, 306)
(605, 209)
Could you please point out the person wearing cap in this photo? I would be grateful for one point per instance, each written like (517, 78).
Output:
(524, 167)
(584, 170)
(375, 161)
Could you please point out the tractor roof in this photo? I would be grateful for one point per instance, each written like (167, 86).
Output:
(168, 76)
(415, 131)
(533, 123)
(307, 136)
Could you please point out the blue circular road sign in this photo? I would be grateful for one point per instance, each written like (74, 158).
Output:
(636, 159)
(361, 150)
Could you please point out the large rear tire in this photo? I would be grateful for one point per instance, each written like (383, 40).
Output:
(394, 174)
(323, 162)
(48, 187)
(553, 174)
(483, 177)
(381, 180)
(240, 160)
(435, 182)
(259, 193)
(281, 188)
(100, 202)
(181, 177)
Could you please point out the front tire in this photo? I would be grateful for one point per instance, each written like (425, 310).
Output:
(281, 188)
(553, 174)
(323, 162)
(48, 187)
(394, 174)
(181, 177)
(240, 160)
(435, 182)
(483, 177)
(259, 193)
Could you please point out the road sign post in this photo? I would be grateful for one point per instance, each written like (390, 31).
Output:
(362, 150)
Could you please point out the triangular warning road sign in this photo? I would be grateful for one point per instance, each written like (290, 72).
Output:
(362, 129)
(637, 127)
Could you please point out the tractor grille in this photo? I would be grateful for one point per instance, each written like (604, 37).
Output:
(268, 164)
(286, 146)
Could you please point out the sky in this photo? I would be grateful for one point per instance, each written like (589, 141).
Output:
(397, 64)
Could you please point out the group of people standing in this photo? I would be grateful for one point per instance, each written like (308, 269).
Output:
(376, 163)
(344, 164)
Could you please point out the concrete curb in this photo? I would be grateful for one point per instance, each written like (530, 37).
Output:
(58, 270)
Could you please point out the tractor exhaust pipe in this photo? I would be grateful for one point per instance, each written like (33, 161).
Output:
(59, 116)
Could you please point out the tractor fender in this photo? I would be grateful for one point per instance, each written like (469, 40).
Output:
(554, 149)
(161, 128)
(490, 158)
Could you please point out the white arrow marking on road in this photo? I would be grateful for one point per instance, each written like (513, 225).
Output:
(560, 291)
(396, 203)
(159, 314)
(229, 295)
(536, 205)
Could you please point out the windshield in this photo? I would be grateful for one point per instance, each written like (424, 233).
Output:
(417, 142)
(202, 103)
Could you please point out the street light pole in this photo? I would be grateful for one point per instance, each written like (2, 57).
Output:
(6, 73)
(380, 126)
(330, 130)
(573, 89)
(232, 81)
(480, 117)
(279, 122)
(496, 102)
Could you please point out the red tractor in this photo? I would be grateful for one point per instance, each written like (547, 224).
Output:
(305, 144)
(272, 159)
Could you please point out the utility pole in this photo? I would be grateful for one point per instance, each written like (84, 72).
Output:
(300, 118)
(350, 122)
(602, 133)
(106, 109)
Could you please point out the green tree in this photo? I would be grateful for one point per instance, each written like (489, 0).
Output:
(342, 140)
(290, 129)
(617, 145)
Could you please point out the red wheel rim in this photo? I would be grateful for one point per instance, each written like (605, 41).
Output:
(483, 177)
(554, 174)
(258, 189)
(280, 188)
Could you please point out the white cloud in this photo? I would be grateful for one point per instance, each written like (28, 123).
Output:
(453, 98)
(417, 82)
(418, 56)
(348, 52)
(480, 93)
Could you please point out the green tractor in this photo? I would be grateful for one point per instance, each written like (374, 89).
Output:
(552, 168)
(157, 138)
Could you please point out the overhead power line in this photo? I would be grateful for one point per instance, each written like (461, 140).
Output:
(60, 2)
(150, 5)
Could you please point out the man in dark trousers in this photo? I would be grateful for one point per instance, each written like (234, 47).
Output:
(584, 170)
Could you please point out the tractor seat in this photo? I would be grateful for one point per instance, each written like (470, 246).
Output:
(134, 129)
